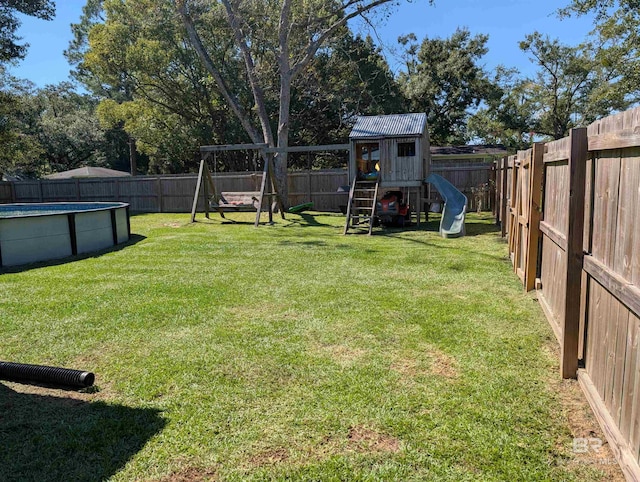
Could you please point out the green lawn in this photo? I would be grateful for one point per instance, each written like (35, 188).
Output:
(286, 352)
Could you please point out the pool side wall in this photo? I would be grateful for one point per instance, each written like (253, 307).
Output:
(32, 239)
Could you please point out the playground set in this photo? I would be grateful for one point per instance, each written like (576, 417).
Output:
(389, 164)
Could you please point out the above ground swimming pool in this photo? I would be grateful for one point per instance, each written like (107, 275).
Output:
(40, 232)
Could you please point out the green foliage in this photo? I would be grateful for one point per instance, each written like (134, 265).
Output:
(571, 87)
(51, 129)
(150, 83)
(10, 49)
(506, 117)
(103, 81)
(21, 151)
(68, 129)
(92, 14)
(616, 34)
(444, 80)
(134, 57)
(348, 78)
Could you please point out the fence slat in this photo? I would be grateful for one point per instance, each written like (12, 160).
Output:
(533, 214)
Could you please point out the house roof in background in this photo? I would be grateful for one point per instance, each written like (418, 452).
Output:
(481, 150)
(395, 125)
(87, 171)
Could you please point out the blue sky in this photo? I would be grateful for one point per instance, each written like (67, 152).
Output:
(505, 21)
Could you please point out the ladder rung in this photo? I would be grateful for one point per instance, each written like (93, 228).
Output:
(363, 199)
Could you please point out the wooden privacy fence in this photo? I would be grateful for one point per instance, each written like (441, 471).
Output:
(571, 209)
(174, 193)
(474, 179)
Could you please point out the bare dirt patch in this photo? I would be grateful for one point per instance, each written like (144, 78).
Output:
(429, 361)
(270, 457)
(342, 354)
(272, 312)
(73, 397)
(592, 449)
(442, 364)
(191, 474)
(363, 439)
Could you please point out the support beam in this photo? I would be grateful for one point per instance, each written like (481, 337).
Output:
(232, 147)
(197, 193)
(326, 147)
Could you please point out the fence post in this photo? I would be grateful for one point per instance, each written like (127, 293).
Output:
(498, 192)
(571, 323)
(535, 211)
(503, 195)
(491, 198)
(159, 195)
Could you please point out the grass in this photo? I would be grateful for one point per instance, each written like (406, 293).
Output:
(287, 352)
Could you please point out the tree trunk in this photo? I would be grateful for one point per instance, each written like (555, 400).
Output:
(133, 156)
(281, 158)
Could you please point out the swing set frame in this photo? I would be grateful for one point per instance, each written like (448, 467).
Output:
(237, 201)
(247, 201)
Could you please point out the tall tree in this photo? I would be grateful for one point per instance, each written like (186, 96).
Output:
(151, 82)
(507, 116)
(107, 82)
(67, 128)
(444, 79)
(10, 48)
(616, 35)
(20, 152)
(350, 77)
(570, 88)
(278, 38)
(92, 15)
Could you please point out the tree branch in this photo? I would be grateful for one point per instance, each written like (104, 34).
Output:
(257, 91)
(314, 45)
(196, 42)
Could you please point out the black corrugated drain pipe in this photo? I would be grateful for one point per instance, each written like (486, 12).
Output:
(22, 372)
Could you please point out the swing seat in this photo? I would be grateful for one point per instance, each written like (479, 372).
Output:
(237, 201)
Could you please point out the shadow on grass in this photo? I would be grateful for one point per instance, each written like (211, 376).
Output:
(480, 227)
(473, 226)
(215, 218)
(307, 219)
(228, 220)
(54, 438)
(133, 239)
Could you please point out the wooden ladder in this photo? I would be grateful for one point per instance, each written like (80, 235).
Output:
(362, 206)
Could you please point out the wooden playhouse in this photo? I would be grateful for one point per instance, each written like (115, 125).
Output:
(388, 152)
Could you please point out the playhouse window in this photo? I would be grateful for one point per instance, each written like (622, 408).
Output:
(367, 156)
(406, 149)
